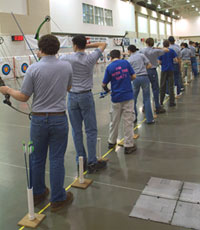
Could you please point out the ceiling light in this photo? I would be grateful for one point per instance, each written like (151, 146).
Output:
(173, 13)
(159, 7)
(193, 6)
(149, 2)
(188, 1)
(167, 11)
(196, 9)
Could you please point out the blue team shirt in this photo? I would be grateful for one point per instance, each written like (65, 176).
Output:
(118, 73)
(167, 60)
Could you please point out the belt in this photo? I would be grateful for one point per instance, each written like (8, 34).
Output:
(85, 91)
(49, 114)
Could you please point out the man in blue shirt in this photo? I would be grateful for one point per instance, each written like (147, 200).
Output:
(167, 74)
(120, 73)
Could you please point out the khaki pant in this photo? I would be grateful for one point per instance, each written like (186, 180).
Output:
(186, 69)
(126, 111)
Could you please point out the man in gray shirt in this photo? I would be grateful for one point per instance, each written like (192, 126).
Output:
(177, 65)
(152, 54)
(193, 58)
(48, 81)
(140, 63)
(81, 105)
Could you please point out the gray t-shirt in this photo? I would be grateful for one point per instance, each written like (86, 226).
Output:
(152, 54)
(186, 54)
(82, 65)
(139, 61)
(48, 81)
(193, 51)
(177, 49)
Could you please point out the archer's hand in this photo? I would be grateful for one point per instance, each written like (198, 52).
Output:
(4, 89)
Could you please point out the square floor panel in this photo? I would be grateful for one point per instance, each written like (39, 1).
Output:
(187, 215)
(190, 193)
(153, 208)
(164, 188)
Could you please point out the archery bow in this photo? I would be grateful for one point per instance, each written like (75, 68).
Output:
(7, 96)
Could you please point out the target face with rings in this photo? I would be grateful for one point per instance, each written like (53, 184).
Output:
(6, 69)
(24, 67)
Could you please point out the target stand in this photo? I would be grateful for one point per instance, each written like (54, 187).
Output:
(81, 182)
(31, 223)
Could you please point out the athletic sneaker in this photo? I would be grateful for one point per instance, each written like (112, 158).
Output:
(57, 205)
(160, 110)
(95, 167)
(111, 146)
(129, 150)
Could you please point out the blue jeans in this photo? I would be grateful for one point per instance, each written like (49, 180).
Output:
(194, 66)
(143, 81)
(153, 77)
(177, 78)
(81, 109)
(49, 132)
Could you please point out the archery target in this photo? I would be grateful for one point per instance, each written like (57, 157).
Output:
(21, 65)
(101, 59)
(107, 54)
(24, 67)
(6, 69)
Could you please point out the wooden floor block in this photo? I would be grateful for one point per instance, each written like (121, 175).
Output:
(31, 223)
(87, 182)
(136, 136)
(104, 159)
(155, 116)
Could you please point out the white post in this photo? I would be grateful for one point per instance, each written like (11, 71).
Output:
(31, 212)
(99, 148)
(81, 176)
(175, 90)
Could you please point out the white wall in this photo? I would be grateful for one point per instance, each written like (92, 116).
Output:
(68, 15)
(187, 27)
(15, 6)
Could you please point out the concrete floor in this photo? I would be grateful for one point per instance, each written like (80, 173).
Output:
(169, 149)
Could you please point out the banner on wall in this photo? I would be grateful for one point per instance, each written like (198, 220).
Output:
(96, 39)
(65, 41)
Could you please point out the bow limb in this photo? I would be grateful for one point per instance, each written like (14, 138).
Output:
(47, 19)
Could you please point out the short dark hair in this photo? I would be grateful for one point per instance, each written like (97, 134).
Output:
(150, 42)
(191, 42)
(185, 45)
(132, 48)
(166, 43)
(80, 41)
(49, 44)
(115, 54)
(171, 39)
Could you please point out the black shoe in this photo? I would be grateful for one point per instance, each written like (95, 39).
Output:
(135, 121)
(111, 146)
(160, 110)
(143, 109)
(172, 104)
(95, 167)
(151, 122)
(84, 166)
(39, 198)
(182, 89)
(129, 150)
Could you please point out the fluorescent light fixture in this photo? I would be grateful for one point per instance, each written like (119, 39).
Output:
(196, 9)
(149, 2)
(173, 13)
(159, 7)
(167, 11)
(193, 6)
(188, 1)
